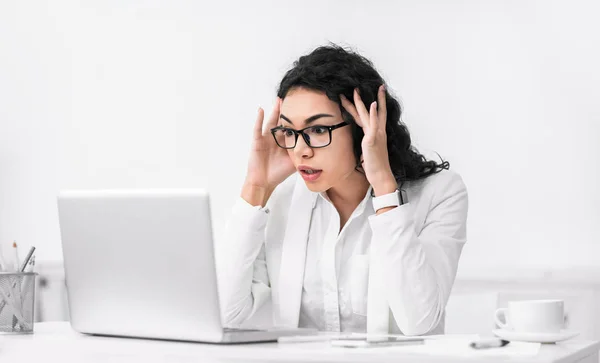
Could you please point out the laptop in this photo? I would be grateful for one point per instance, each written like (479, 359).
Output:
(140, 263)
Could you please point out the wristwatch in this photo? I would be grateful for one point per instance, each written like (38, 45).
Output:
(394, 199)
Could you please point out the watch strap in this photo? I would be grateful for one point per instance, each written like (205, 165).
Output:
(387, 200)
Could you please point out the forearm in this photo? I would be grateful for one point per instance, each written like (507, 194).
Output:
(414, 295)
(244, 278)
(419, 264)
(384, 185)
(256, 195)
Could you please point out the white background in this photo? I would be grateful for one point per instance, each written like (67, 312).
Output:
(124, 93)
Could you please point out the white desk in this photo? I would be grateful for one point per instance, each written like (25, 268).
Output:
(56, 342)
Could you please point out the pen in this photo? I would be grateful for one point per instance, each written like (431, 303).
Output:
(26, 260)
(31, 265)
(489, 343)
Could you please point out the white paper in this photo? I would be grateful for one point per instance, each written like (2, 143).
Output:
(459, 347)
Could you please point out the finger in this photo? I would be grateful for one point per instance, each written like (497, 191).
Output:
(373, 115)
(351, 110)
(272, 122)
(257, 132)
(360, 107)
(382, 112)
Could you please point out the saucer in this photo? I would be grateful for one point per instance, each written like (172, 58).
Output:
(534, 337)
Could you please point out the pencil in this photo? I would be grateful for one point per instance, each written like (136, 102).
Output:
(17, 261)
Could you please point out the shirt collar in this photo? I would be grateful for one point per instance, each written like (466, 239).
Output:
(361, 206)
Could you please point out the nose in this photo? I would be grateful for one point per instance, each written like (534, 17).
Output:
(302, 149)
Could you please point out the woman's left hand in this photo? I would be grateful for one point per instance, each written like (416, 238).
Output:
(376, 163)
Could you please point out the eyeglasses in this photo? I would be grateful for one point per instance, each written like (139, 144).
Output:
(315, 136)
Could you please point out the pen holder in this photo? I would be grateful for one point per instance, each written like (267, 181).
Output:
(17, 298)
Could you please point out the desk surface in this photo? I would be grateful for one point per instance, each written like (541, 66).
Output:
(58, 342)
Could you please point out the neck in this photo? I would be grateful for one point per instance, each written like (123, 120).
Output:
(349, 192)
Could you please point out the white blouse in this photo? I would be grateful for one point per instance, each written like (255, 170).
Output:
(334, 292)
(412, 251)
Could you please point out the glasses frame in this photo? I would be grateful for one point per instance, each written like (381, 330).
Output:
(304, 136)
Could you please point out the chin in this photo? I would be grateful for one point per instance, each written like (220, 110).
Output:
(316, 187)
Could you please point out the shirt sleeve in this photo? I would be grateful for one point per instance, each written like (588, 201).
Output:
(244, 281)
(420, 266)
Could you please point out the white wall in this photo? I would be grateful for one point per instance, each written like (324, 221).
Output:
(128, 93)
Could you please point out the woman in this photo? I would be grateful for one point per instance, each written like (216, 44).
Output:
(340, 220)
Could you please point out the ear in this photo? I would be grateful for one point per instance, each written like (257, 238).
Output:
(359, 164)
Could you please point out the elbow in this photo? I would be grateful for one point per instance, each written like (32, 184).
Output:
(416, 328)
(236, 314)
(237, 308)
(234, 318)
(421, 322)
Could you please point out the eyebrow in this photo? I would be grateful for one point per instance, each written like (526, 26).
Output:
(310, 119)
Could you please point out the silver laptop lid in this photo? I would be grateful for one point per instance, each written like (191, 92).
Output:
(140, 263)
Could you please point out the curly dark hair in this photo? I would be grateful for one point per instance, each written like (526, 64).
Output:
(334, 71)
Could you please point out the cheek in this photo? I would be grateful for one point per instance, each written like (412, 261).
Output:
(291, 154)
(340, 157)
(343, 147)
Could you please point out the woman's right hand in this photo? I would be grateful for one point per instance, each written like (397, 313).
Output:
(268, 164)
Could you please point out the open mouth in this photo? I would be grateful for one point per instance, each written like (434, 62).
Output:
(310, 171)
(309, 174)
(307, 170)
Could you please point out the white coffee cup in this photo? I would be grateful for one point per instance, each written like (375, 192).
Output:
(532, 316)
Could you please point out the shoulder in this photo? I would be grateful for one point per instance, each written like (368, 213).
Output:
(439, 186)
(444, 181)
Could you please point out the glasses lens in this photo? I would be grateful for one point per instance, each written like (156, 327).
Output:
(318, 136)
(285, 138)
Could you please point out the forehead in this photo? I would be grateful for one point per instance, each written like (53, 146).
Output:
(301, 103)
